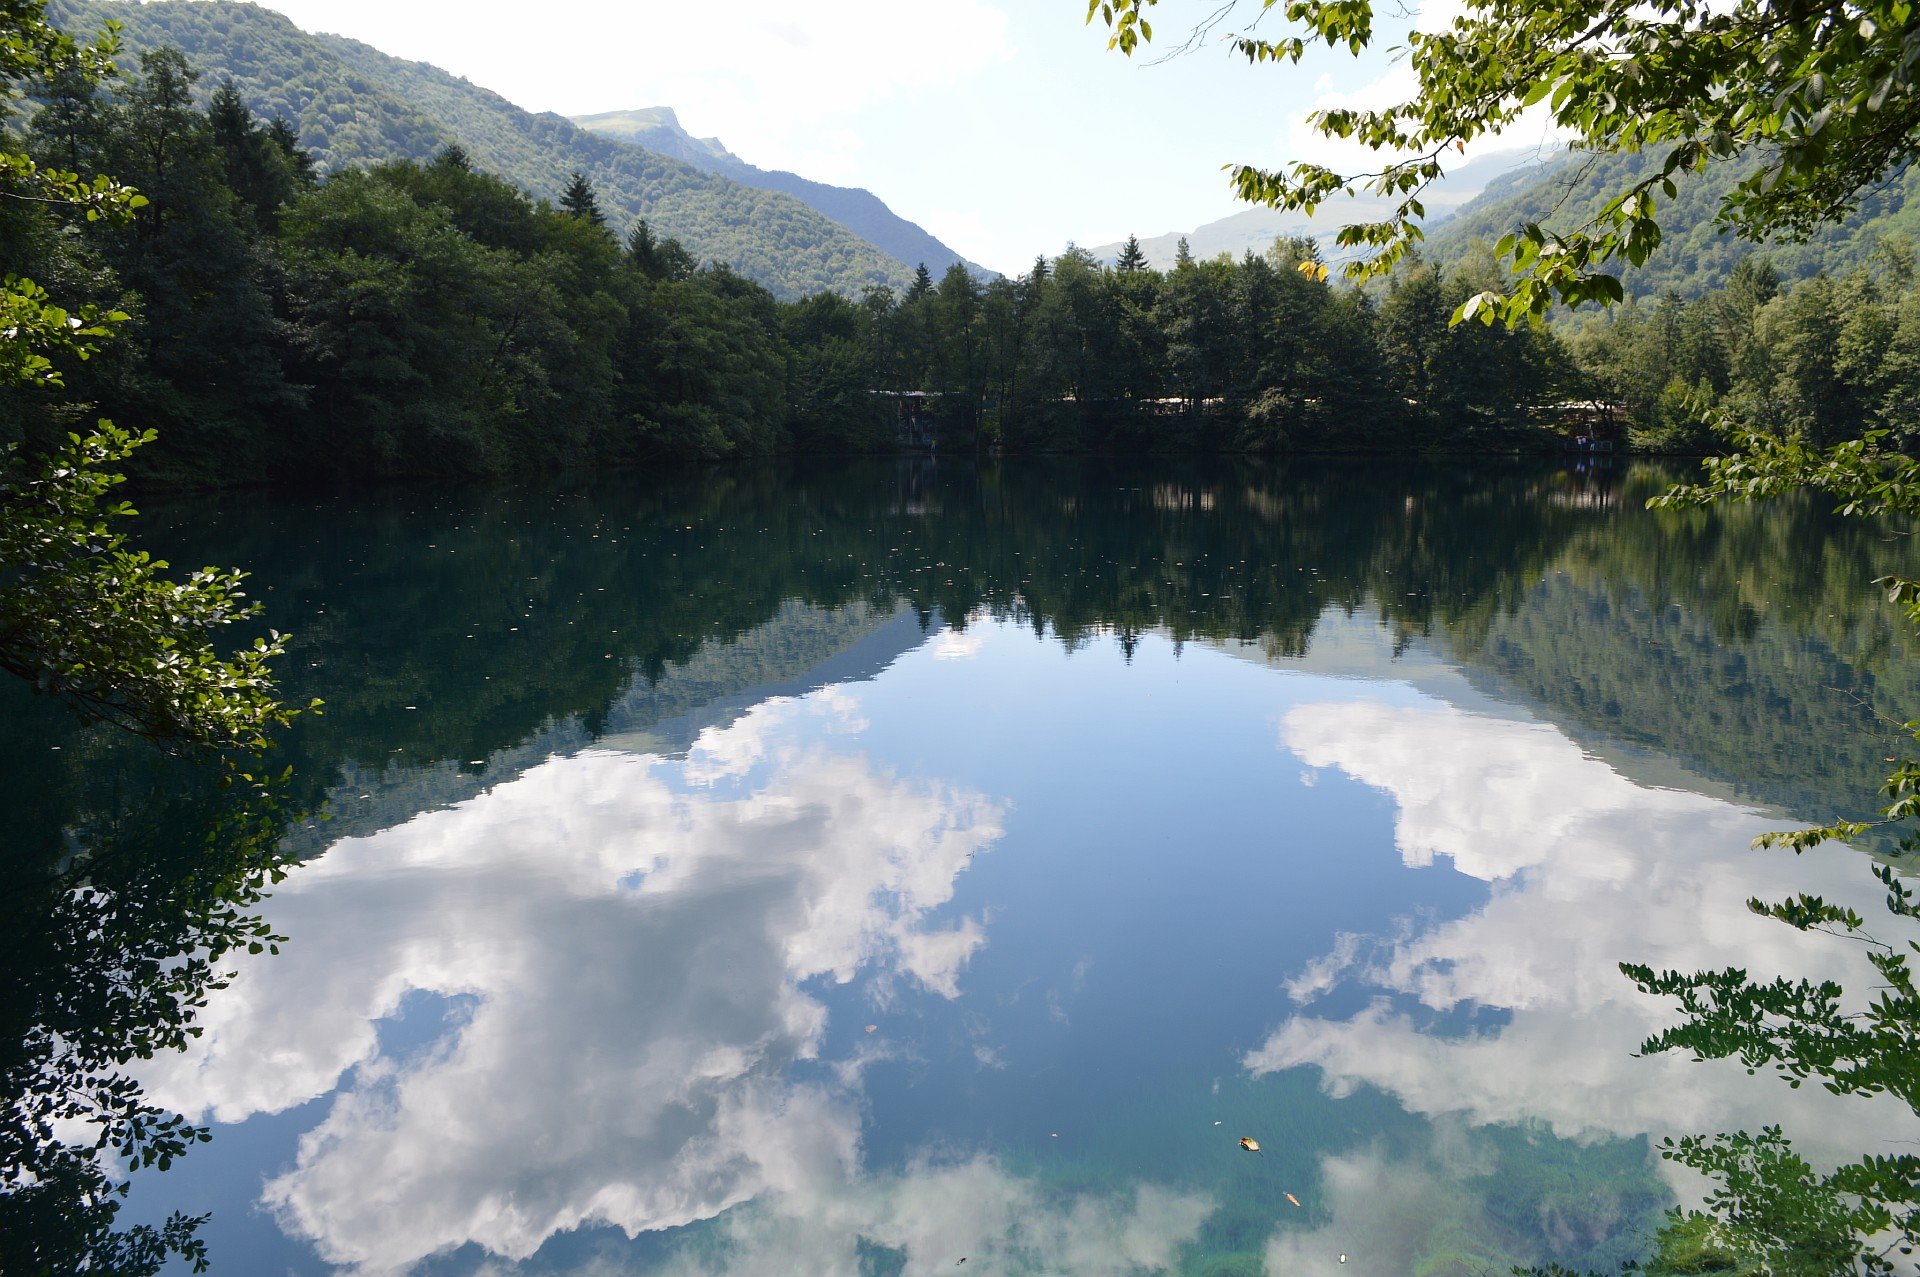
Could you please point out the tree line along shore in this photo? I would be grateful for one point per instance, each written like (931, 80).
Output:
(428, 320)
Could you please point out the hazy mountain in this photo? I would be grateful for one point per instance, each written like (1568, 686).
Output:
(1694, 255)
(1255, 229)
(356, 105)
(860, 211)
(657, 128)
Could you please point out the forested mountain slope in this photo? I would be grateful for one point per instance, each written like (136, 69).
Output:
(356, 105)
(1256, 227)
(1695, 256)
(859, 210)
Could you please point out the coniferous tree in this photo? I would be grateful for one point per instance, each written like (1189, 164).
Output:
(285, 136)
(258, 168)
(1132, 257)
(922, 284)
(657, 258)
(580, 201)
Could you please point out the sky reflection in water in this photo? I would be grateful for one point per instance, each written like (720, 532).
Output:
(1105, 916)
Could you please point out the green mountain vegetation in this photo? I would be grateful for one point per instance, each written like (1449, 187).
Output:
(658, 129)
(1820, 360)
(1694, 256)
(431, 320)
(353, 105)
(1255, 229)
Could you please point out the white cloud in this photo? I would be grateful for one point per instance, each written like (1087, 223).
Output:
(1588, 870)
(631, 955)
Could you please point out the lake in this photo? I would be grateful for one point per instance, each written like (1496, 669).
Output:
(873, 867)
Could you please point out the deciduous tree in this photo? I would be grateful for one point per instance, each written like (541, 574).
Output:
(1818, 103)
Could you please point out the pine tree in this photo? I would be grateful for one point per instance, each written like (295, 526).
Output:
(258, 169)
(1132, 258)
(1182, 254)
(284, 135)
(922, 283)
(643, 248)
(658, 258)
(580, 202)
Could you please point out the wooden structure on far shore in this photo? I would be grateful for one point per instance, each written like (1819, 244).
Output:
(1588, 425)
(913, 426)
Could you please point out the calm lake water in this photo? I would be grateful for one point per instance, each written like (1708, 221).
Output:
(865, 869)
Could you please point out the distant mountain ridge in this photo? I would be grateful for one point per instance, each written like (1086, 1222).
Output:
(657, 128)
(861, 211)
(1694, 255)
(355, 105)
(1255, 229)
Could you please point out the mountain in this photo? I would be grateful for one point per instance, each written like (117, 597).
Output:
(1694, 255)
(657, 128)
(1255, 229)
(860, 211)
(355, 105)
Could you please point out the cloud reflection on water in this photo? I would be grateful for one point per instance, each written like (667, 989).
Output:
(630, 939)
(1589, 870)
(932, 1215)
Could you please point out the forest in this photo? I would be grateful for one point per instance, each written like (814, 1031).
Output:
(431, 320)
(355, 106)
(1697, 253)
(1822, 360)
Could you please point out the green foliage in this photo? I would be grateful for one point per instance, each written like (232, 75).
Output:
(433, 320)
(36, 331)
(1768, 1207)
(579, 201)
(1697, 254)
(88, 619)
(96, 623)
(1816, 107)
(108, 957)
(1255, 354)
(82, 615)
(355, 106)
(657, 130)
(1821, 360)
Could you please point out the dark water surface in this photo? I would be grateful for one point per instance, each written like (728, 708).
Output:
(854, 870)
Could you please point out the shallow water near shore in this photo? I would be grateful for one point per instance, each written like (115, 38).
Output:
(870, 868)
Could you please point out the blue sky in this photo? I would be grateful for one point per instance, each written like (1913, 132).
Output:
(1006, 127)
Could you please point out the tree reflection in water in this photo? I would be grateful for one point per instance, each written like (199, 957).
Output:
(520, 624)
(114, 936)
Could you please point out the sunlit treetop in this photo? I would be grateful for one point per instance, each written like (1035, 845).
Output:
(1819, 98)
(34, 53)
